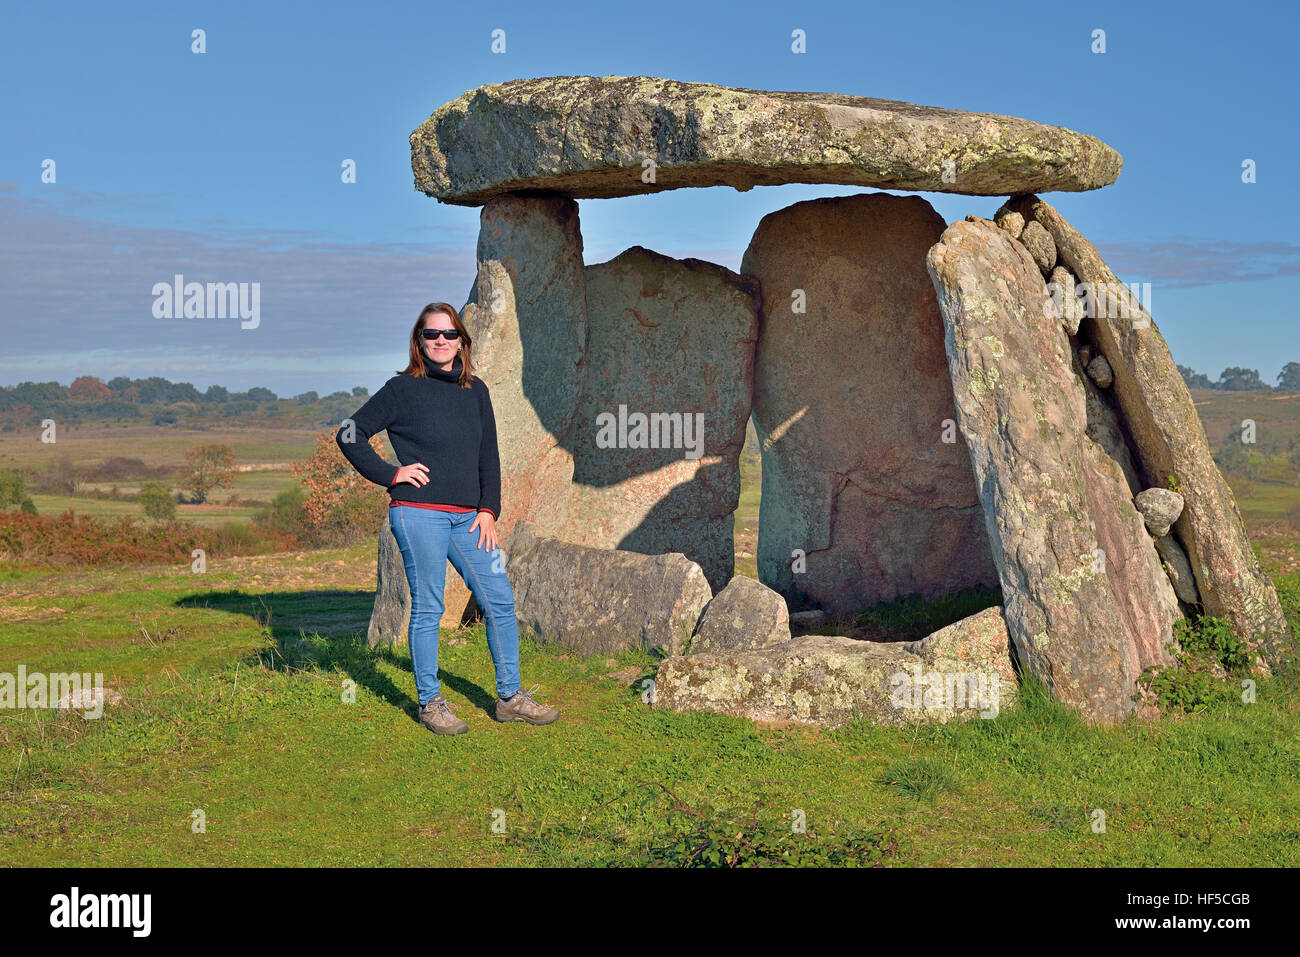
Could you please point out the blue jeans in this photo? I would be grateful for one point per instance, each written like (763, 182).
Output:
(429, 537)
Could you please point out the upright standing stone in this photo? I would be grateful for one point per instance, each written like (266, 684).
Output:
(1169, 441)
(527, 318)
(853, 402)
(656, 438)
(1085, 599)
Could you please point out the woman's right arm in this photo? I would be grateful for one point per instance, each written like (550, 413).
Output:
(353, 437)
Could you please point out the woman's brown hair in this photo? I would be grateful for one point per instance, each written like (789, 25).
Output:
(416, 366)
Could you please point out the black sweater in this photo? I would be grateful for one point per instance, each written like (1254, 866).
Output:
(436, 422)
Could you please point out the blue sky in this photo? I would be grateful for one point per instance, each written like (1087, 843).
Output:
(225, 166)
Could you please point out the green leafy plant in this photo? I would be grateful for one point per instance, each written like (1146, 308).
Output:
(1174, 484)
(1209, 651)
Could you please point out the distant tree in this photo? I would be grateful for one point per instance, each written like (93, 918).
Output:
(1237, 379)
(39, 393)
(360, 390)
(306, 397)
(211, 466)
(1288, 380)
(89, 388)
(183, 392)
(339, 395)
(1195, 380)
(216, 393)
(258, 394)
(157, 502)
(13, 490)
(119, 384)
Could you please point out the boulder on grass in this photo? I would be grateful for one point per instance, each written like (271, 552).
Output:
(602, 600)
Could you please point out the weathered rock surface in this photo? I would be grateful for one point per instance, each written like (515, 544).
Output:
(1168, 439)
(671, 341)
(527, 320)
(588, 136)
(976, 644)
(1040, 246)
(390, 618)
(1178, 568)
(1104, 428)
(1160, 508)
(1066, 306)
(745, 614)
(850, 403)
(599, 600)
(1086, 602)
(960, 672)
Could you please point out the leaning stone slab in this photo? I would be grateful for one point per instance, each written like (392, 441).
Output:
(390, 617)
(1086, 602)
(1169, 440)
(961, 672)
(595, 137)
(601, 600)
(745, 614)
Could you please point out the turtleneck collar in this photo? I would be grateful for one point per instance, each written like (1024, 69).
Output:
(431, 369)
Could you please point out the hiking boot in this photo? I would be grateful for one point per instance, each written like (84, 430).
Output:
(521, 707)
(437, 717)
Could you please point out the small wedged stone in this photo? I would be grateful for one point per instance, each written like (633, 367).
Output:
(1099, 372)
(1160, 508)
(745, 614)
(1011, 221)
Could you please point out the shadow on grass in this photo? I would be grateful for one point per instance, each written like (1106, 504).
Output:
(326, 629)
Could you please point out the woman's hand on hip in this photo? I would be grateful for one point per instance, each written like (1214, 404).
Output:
(417, 474)
(487, 530)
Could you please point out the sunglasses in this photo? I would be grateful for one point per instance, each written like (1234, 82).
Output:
(435, 333)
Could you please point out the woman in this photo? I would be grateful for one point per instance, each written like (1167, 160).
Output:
(436, 411)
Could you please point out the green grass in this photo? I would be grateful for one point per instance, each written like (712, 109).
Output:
(234, 706)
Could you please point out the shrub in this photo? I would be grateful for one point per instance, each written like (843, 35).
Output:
(284, 516)
(341, 507)
(157, 503)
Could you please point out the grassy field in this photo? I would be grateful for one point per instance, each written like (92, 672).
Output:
(236, 706)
